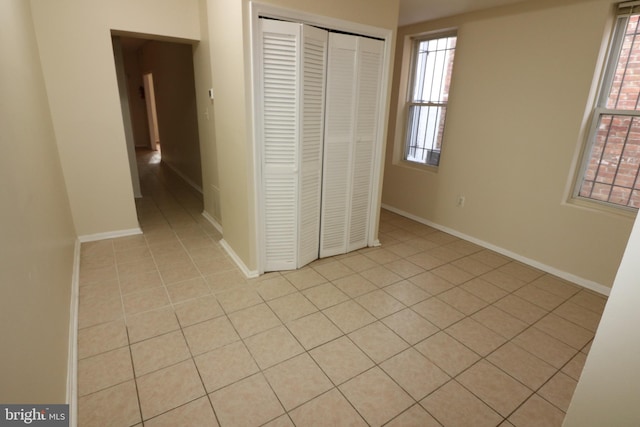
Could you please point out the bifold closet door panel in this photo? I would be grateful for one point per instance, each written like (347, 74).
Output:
(369, 70)
(338, 143)
(353, 82)
(314, 71)
(291, 88)
(279, 86)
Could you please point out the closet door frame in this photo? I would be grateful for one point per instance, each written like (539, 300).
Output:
(258, 10)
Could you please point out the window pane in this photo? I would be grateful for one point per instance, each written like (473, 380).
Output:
(625, 87)
(434, 60)
(426, 125)
(614, 162)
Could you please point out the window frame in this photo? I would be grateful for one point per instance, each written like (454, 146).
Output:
(599, 110)
(415, 41)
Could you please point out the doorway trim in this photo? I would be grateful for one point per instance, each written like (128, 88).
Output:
(152, 114)
(121, 78)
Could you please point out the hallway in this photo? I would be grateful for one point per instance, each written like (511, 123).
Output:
(426, 330)
(168, 202)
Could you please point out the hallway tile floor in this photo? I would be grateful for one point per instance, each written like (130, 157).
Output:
(426, 330)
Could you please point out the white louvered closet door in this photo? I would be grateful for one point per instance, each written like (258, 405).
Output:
(292, 90)
(314, 65)
(353, 81)
(369, 71)
(339, 131)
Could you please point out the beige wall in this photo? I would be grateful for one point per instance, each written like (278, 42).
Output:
(608, 390)
(376, 13)
(74, 41)
(137, 104)
(121, 77)
(228, 114)
(36, 230)
(174, 83)
(206, 124)
(229, 41)
(521, 88)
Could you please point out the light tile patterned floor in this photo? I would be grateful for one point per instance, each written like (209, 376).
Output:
(426, 330)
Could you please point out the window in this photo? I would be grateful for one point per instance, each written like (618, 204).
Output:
(612, 160)
(428, 96)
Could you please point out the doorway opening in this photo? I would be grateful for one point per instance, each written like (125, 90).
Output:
(159, 88)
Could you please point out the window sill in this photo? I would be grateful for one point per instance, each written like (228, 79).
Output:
(602, 207)
(417, 166)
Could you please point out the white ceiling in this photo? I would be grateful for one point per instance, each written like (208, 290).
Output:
(412, 11)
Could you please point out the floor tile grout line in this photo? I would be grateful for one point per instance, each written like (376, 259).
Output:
(508, 294)
(534, 392)
(480, 399)
(195, 365)
(557, 370)
(375, 364)
(263, 370)
(162, 282)
(135, 380)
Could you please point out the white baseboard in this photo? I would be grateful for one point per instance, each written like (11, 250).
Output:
(109, 235)
(183, 177)
(250, 274)
(72, 363)
(585, 283)
(213, 221)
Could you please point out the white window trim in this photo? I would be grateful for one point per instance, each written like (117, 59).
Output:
(404, 99)
(616, 37)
